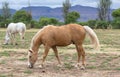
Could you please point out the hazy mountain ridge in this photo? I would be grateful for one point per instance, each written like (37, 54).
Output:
(86, 12)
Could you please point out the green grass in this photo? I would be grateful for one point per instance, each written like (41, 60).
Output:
(5, 53)
(3, 62)
(7, 75)
(3, 76)
(68, 65)
(106, 37)
(22, 59)
(91, 67)
(117, 68)
(28, 72)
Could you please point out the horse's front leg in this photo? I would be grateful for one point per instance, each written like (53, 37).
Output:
(56, 54)
(14, 40)
(11, 39)
(44, 56)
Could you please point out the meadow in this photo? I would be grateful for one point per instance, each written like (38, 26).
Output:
(103, 63)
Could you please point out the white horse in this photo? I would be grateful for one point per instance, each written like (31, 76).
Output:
(12, 30)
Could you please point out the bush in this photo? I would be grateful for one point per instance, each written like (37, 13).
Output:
(4, 24)
(47, 21)
(116, 23)
(92, 23)
(35, 24)
(83, 23)
(102, 24)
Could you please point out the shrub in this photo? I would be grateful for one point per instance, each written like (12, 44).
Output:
(35, 24)
(102, 24)
(116, 23)
(92, 23)
(45, 21)
(83, 23)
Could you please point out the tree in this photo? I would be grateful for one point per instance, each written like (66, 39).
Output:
(72, 17)
(1, 18)
(104, 9)
(116, 13)
(116, 20)
(45, 21)
(66, 7)
(22, 16)
(5, 10)
(6, 16)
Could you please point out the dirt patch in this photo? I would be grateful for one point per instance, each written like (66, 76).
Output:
(97, 65)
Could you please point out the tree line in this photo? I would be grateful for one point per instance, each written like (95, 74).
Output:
(102, 22)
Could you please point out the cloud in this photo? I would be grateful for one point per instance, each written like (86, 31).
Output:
(115, 4)
(92, 3)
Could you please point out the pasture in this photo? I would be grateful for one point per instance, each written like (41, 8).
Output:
(104, 63)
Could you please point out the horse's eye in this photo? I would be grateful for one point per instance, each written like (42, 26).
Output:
(29, 56)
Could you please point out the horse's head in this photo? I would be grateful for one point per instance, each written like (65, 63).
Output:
(32, 57)
(6, 40)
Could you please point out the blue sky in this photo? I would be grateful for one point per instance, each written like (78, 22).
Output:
(18, 4)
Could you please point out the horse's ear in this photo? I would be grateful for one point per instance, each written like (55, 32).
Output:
(30, 51)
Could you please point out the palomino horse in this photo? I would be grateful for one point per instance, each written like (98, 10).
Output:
(52, 36)
(12, 30)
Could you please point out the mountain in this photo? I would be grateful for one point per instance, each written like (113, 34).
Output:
(12, 11)
(86, 13)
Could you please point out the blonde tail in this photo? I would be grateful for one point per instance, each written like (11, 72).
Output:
(93, 37)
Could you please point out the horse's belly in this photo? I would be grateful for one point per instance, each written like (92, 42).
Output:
(63, 42)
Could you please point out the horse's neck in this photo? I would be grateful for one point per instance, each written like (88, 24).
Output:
(35, 46)
(36, 42)
(7, 35)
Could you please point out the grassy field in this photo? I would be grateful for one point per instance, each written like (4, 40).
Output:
(103, 63)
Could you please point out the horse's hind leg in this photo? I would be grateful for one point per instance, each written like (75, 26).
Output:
(83, 58)
(21, 36)
(56, 54)
(81, 52)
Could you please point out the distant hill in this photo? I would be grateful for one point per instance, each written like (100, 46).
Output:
(86, 13)
(12, 11)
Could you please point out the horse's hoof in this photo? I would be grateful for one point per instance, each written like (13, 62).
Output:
(82, 68)
(77, 65)
(59, 65)
(16, 44)
(40, 66)
(30, 66)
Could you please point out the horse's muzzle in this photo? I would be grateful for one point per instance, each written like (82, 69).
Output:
(30, 65)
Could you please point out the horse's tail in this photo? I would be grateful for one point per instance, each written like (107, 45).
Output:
(93, 37)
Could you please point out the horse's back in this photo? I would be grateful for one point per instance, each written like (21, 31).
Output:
(21, 26)
(16, 27)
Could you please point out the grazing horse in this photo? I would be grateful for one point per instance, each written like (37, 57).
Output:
(12, 30)
(52, 36)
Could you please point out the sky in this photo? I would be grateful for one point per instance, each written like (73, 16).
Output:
(18, 4)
